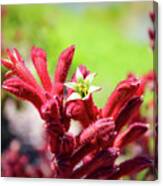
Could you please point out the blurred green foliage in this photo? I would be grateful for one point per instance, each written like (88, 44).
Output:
(107, 37)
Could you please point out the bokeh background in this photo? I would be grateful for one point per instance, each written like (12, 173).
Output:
(111, 39)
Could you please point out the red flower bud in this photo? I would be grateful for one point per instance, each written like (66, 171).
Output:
(132, 133)
(120, 96)
(128, 112)
(103, 158)
(81, 152)
(18, 67)
(64, 63)
(152, 16)
(76, 110)
(151, 34)
(7, 63)
(23, 90)
(85, 72)
(97, 130)
(39, 59)
(132, 166)
(50, 110)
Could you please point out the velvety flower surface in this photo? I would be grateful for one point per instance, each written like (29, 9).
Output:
(105, 131)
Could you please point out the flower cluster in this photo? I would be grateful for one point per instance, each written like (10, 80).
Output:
(105, 132)
(18, 164)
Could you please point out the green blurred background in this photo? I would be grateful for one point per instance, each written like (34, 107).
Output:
(111, 39)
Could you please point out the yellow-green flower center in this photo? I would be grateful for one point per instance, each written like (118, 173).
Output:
(82, 88)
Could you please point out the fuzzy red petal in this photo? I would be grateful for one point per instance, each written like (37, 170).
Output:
(128, 112)
(132, 166)
(50, 110)
(76, 110)
(97, 130)
(21, 70)
(64, 63)
(23, 90)
(103, 158)
(121, 95)
(132, 133)
(40, 62)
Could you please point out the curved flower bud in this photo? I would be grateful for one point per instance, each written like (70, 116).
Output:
(9, 74)
(132, 166)
(152, 16)
(7, 63)
(133, 132)
(50, 110)
(131, 109)
(120, 96)
(84, 71)
(64, 63)
(97, 130)
(76, 110)
(40, 62)
(151, 34)
(23, 90)
(81, 152)
(17, 55)
(16, 64)
(103, 158)
(14, 56)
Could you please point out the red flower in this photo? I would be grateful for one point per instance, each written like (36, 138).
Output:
(101, 139)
